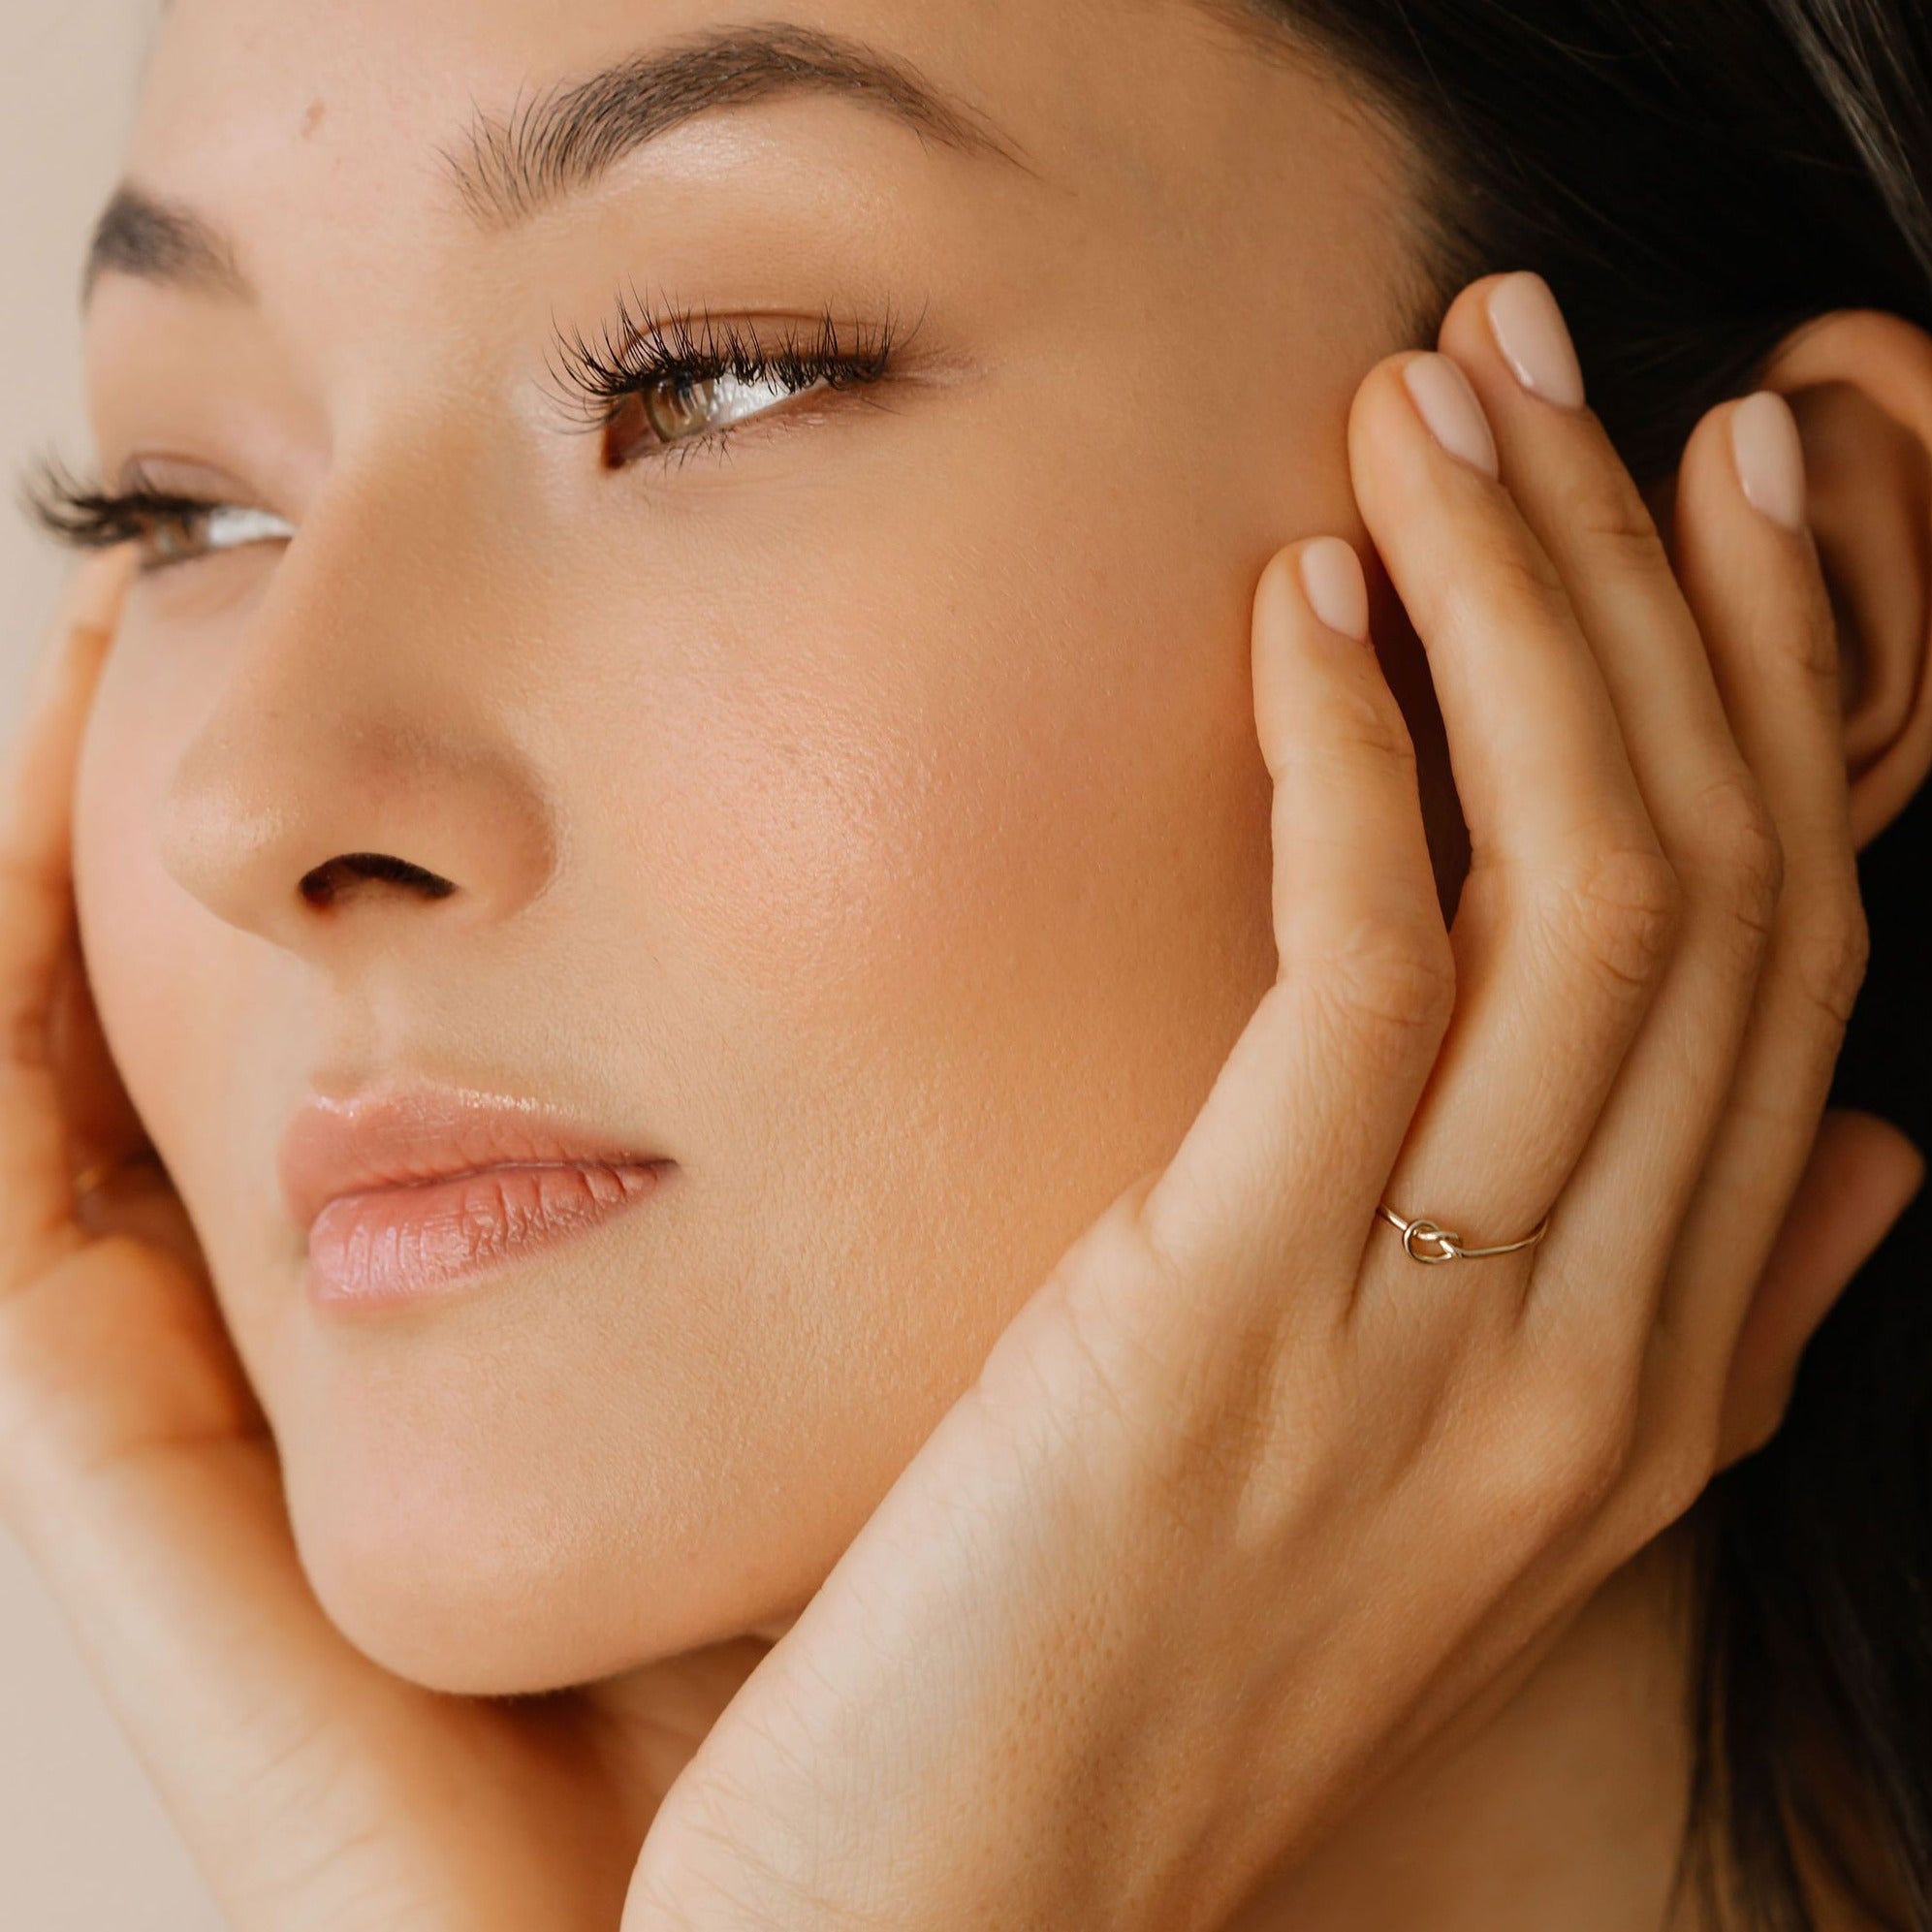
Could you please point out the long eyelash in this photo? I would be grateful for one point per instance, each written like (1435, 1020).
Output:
(87, 515)
(637, 349)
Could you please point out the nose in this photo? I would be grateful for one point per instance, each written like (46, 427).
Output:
(359, 765)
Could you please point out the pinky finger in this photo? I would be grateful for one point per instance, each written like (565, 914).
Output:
(1283, 1166)
(36, 921)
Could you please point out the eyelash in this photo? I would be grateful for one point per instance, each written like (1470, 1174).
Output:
(635, 353)
(638, 351)
(88, 517)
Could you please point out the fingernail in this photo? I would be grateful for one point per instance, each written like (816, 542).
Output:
(1535, 339)
(1448, 404)
(1771, 457)
(1338, 591)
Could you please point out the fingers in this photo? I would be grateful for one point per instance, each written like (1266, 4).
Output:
(36, 923)
(1569, 909)
(1279, 1176)
(1760, 599)
(1698, 789)
(103, 1127)
(1726, 695)
(1588, 516)
(284, 1755)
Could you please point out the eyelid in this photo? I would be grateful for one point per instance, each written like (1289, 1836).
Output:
(641, 348)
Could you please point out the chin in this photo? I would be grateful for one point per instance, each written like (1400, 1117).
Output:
(455, 1579)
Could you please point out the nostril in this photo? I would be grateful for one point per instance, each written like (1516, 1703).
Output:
(325, 883)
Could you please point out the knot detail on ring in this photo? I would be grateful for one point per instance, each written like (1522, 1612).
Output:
(1431, 1244)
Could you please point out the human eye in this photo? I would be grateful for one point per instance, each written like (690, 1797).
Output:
(658, 386)
(168, 528)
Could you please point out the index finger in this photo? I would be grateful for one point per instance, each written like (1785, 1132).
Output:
(37, 916)
(1279, 1176)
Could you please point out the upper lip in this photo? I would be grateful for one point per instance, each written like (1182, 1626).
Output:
(408, 1135)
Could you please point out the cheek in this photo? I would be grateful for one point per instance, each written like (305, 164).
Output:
(951, 909)
(984, 873)
(923, 917)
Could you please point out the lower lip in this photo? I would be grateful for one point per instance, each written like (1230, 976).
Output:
(400, 1244)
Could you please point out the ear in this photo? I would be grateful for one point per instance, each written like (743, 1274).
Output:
(1860, 384)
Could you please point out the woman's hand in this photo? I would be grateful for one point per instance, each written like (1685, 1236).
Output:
(315, 1790)
(1244, 1496)
(1247, 1505)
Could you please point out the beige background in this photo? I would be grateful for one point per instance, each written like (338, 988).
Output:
(84, 1845)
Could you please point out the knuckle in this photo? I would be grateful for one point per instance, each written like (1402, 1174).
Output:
(1664, 1484)
(1362, 719)
(1509, 586)
(1814, 646)
(1570, 1458)
(1593, 1456)
(1612, 521)
(1739, 850)
(1623, 905)
(1831, 952)
(1380, 976)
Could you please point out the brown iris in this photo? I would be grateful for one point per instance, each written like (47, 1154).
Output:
(673, 411)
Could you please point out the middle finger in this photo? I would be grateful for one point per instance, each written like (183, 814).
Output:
(1699, 789)
(1569, 913)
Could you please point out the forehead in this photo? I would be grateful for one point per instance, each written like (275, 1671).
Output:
(1146, 159)
(1152, 95)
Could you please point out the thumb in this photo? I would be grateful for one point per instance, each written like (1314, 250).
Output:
(1862, 1176)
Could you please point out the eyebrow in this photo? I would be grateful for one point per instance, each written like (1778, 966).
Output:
(140, 233)
(567, 139)
(507, 168)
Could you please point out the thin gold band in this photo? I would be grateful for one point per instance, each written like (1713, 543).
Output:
(1431, 1244)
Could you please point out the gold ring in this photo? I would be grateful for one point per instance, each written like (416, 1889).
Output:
(1431, 1244)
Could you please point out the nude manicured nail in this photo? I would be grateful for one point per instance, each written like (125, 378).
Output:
(1535, 339)
(1448, 405)
(1771, 457)
(1336, 590)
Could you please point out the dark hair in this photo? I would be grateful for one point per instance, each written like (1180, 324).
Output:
(1696, 179)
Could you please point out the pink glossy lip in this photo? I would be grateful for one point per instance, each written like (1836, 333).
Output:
(411, 1192)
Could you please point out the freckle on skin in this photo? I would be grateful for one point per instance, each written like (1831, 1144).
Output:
(313, 118)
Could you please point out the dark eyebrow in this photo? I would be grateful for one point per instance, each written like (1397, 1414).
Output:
(564, 140)
(140, 233)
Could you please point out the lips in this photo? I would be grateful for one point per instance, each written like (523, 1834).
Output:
(413, 1190)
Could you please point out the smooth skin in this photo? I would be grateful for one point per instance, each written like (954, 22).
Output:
(1360, 1510)
(907, 789)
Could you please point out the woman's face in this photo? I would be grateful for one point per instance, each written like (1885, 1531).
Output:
(863, 814)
